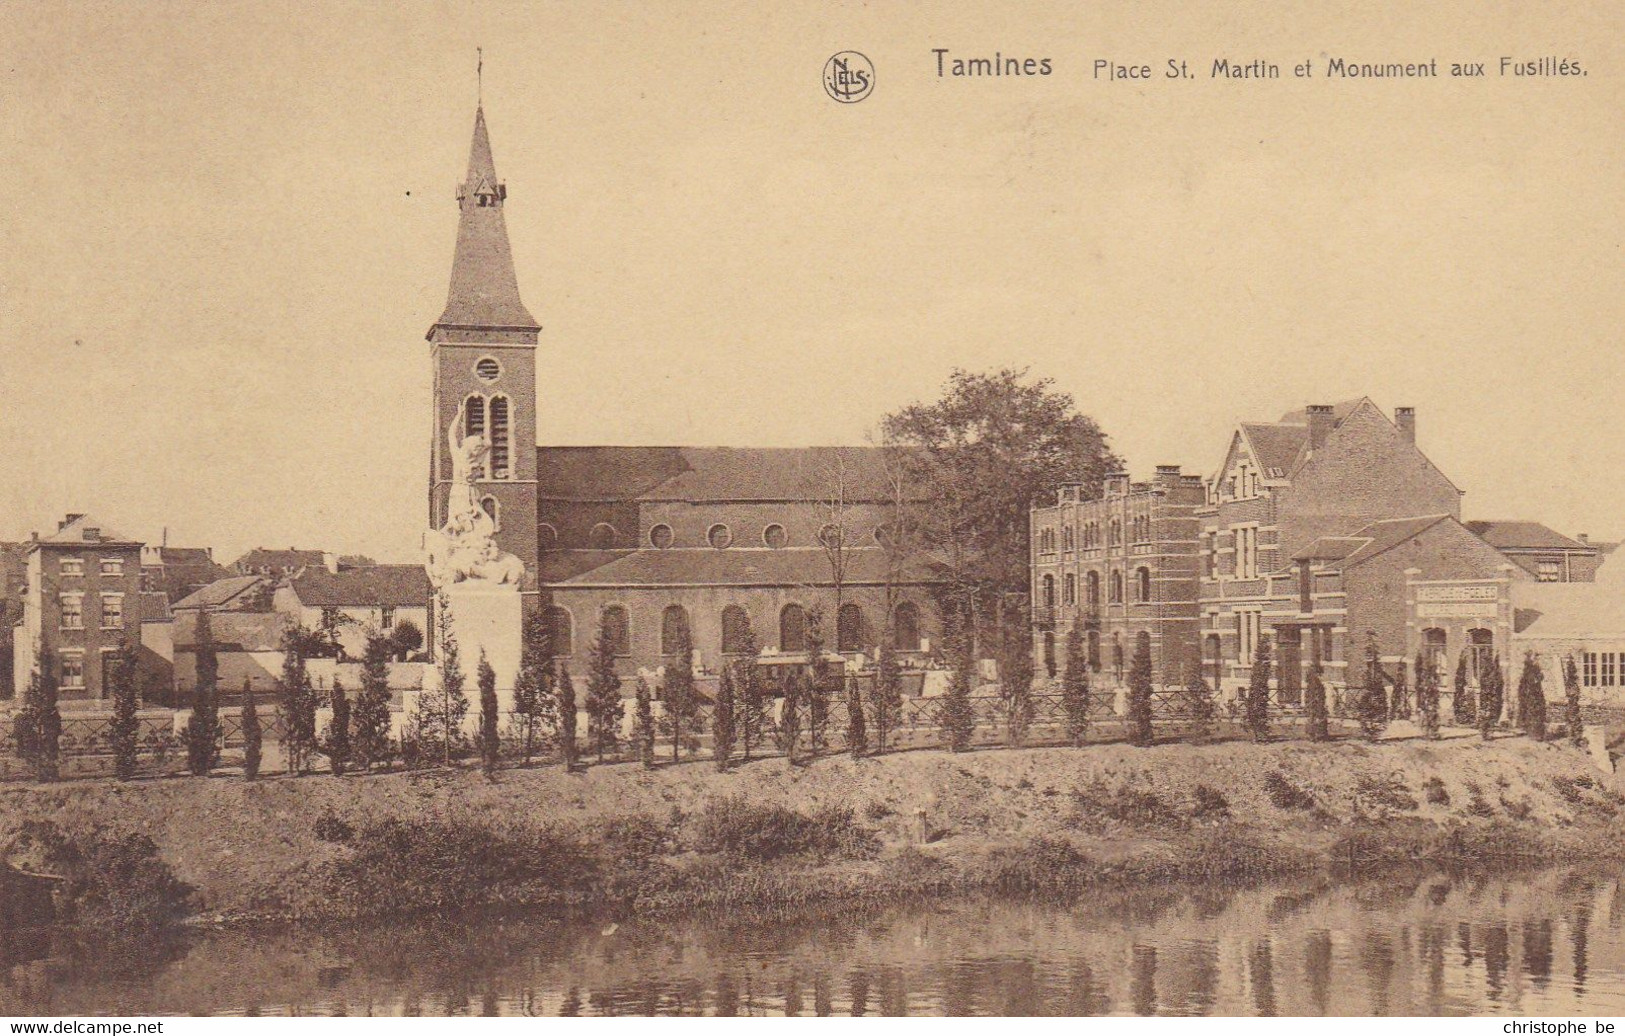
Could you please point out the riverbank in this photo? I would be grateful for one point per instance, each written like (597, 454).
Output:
(926, 822)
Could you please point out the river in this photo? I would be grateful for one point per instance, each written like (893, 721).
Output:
(1542, 943)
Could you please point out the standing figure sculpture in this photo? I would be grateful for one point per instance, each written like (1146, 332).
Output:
(464, 548)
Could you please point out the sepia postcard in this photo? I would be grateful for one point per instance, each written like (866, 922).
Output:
(518, 509)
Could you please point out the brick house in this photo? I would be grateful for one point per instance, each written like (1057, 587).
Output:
(1299, 501)
(81, 604)
(1544, 553)
(1120, 565)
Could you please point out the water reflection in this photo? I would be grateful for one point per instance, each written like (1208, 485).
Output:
(1543, 943)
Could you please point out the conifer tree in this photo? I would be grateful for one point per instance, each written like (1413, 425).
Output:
(1258, 692)
(369, 718)
(566, 695)
(956, 713)
(1315, 704)
(336, 746)
(1016, 685)
(534, 705)
(125, 728)
(1532, 698)
(1427, 696)
(1075, 689)
(1571, 700)
(1373, 697)
(751, 695)
(1462, 706)
(681, 700)
(857, 734)
(1199, 703)
(1400, 707)
(790, 716)
(817, 687)
(604, 707)
(722, 721)
(888, 694)
(252, 735)
(49, 739)
(1141, 731)
(297, 700)
(405, 640)
(203, 729)
(490, 739)
(644, 730)
(1491, 697)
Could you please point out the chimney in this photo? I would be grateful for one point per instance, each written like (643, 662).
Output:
(1167, 475)
(1585, 538)
(92, 534)
(1405, 419)
(69, 520)
(331, 563)
(1320, 424)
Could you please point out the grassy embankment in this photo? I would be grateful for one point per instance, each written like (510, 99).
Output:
(914, 823)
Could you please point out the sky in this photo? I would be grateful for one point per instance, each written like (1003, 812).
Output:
(226, 228)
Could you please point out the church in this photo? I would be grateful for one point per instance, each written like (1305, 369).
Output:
(739, 545)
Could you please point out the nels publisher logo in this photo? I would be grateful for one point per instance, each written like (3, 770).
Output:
(849, 77)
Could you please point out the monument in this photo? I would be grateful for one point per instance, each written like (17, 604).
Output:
(476, 583)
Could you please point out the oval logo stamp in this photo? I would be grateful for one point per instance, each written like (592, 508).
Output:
(849, 77)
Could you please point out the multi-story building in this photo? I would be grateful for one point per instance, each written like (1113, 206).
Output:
(1296, 507)
(1544, 553)
(82, 603)
(1121, 566)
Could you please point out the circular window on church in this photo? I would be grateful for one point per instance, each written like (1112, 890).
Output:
(774, 536)
(660, 536)
(720, 536)
(488, 369)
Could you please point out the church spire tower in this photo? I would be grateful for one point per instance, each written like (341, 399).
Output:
(483, 352)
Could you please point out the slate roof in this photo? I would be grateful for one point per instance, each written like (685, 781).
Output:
(698, 474)
(217, 594)
(1370, 541)
(383, 586)
(1523, 536)
(484, 288)
(709, 567)
(285, 560)
(1330, 548)
(1280, 447)
(74, 533)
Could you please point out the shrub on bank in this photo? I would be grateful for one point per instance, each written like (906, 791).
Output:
(114, 882)
(755, 831)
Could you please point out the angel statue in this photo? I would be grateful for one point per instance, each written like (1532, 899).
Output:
(464, 549)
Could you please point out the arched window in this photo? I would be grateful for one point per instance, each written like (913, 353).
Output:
(617, 629)
(1117, 587)
(561, 632)
(1069, 589)
(1142, 584)
(674, 630)
(1435, 646)
(547, 537)
(905, 624)
(849, 632)
(474, 423)
(1048, 597)
(602, 536)
(774, 536)
(1093, 582)
(792, 628)
(719, 536)
(1480, 652)
(501, 449)
(1094, 650)
(1115, 533)
(660, 536)
(490, 506)
(1067, 541)
(736, 632)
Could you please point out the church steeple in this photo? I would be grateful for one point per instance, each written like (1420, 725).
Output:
(484, 289)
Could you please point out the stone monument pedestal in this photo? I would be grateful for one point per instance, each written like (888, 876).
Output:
(486, 617)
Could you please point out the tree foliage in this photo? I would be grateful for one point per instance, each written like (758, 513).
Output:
(1140, 727)
(1199, 703)
(1491, 697)
(603, 705)
(565, 692)
(253, 736)
(337, 745)
(1532, 698)
(955, 713)
(789, 734)
(1075, 689)
(1462, 705)
(485, 678)
(991, 447)
(644, 724)
(1571, 701)
(1427, 696)
(887, 698)
(722, 721)
(434, 734)
(1315, 704)
(1016, 685)
(296, 696)
(1373, 695)
(125, 730)
(679, 696)
(818, 680)
(535, 709)
(1258, 692)
(369, 719)
(857, 734)
(406, 639)
(203, 729)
